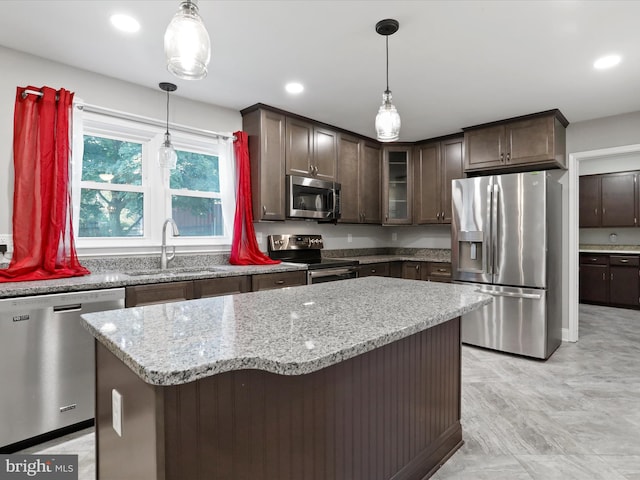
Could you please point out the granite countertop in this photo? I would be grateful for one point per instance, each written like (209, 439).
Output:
(291, 331)
(367, 259)
(135, 276)
(633, 249)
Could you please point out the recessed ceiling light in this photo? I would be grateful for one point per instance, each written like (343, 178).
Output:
(294, 87)
(125, 23)
(607, 62)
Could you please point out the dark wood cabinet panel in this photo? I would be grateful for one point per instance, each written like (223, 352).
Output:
(439, 272)
(374, 269)
(299, 147)
(266, 131)
(349, 151)
(325, 153)
(624, 286)
(213, 287)
(531, 141)
(414, 270)
(427, 185)
(452, 162)
(369, 183)
(619, 195)
(395, 269)
(139, 295)
(589, 207)
(594, 284)
(268, 281)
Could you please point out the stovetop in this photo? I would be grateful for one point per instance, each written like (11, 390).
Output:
(303, 249)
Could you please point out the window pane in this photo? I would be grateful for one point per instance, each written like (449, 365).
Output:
(196, 171)
(111, 161)
(197, 216)
(105, 213)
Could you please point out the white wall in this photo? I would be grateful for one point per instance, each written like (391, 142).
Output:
(19, 69)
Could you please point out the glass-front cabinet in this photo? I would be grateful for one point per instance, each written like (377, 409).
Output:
(397, 185)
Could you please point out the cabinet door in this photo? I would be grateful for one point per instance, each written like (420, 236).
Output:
(589, 201)
(451, 167)
(484, 148)
(594, 284)
(325, 153)
(213, 287)
(618, 193)
(138, 295)
(299, 147)
(414, 270)
(369, 183)
(529, 141)
(427, 185)
(624, 286)
(269, 281)
(374, 270)
(349, 150)
(397, 186)
(266, 132)
(439, 272)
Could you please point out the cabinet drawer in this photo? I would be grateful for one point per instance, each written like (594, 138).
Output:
(623, 260)
(594, 259)
(439, 270)
(158, 293)
(267, 281)
(212, 287)
(374, 269)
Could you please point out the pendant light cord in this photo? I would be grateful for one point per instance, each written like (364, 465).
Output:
(167, 132)
(387, 37)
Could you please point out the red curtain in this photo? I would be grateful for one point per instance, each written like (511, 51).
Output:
(43, 245)
(244, 249)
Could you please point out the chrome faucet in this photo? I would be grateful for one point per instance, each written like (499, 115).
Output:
(164, 258)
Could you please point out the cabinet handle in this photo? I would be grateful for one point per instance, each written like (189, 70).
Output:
(604, 211)
(417, 267)
(502, 157)
(594, 259)
(373, 270)
(595, 210)
(603, 276)
(386, 218)
(442, 269)
(612, 277)
(442, 216)
(624, 260)
(279, 282)
(264, 209)
(508, 157)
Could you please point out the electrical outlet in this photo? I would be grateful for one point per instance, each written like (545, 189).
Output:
(394, 236)
(349, 238)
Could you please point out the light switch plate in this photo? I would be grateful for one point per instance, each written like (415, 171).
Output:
(349, 238)
(116, 411)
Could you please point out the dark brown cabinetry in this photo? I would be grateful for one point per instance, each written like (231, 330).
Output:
(397, 186)
(430, 271)
(310, 151)
(532, 141)
(268, 281)
(624, 281)
(213, 287)
(439, 272)
(374, 269)
(610, 280)
(139, 295)
(266, 131)
(435, 164)
(414, 270)
(359, 175)
(609, 200)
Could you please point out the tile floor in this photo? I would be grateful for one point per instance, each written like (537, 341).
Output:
(575, 416)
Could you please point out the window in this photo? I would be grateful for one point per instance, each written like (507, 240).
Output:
(125, 196)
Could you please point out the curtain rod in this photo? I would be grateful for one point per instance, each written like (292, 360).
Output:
(138, 118)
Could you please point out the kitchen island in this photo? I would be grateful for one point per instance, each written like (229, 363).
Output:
(358, 379)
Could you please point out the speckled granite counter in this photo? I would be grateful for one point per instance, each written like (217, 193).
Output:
(292, 331)
(368, 259)
(393, 255)
(633, 249)
(136, 276)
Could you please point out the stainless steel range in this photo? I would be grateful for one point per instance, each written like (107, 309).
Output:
(308, 249)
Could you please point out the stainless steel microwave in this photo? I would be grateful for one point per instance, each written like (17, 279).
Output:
(312, 198)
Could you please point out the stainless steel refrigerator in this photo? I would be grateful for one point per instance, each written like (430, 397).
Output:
(506, 237)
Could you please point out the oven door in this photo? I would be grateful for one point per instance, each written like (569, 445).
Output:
(331, 274)
(312, 198)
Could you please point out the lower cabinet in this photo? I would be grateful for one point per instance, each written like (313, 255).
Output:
(374, 270)
(268, 281)
(213, 287)
(429, 271)
(414, 270)
(610, 280)
(139, 295)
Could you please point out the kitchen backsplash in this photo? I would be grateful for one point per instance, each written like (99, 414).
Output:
(610, 236)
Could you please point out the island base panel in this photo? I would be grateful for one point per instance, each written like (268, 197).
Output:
(392, 413)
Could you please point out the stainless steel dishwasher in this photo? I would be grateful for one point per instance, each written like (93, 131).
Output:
(47, 362)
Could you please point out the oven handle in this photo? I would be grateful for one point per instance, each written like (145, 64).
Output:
(327, 272)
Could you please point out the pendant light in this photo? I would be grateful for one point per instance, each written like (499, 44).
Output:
(167, 156)
(388, 119)
(187, 46)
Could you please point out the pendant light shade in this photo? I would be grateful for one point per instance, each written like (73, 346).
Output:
(388, 118)
(187, 46)
(167, 156)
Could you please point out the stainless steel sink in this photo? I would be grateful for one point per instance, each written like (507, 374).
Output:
(172, 271)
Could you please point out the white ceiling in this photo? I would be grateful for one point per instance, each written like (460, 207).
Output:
(452, 63)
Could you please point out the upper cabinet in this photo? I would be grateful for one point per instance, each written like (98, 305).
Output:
(533, 141)
(311, 151)
(435, 165)
(359, 174)
(609, 200)
(397, 185)
(266, 131)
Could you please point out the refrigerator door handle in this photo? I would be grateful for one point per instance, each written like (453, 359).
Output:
(495, 219)
(488, 244)
(531, 296)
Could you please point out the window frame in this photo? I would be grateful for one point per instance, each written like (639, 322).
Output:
(156, 201)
